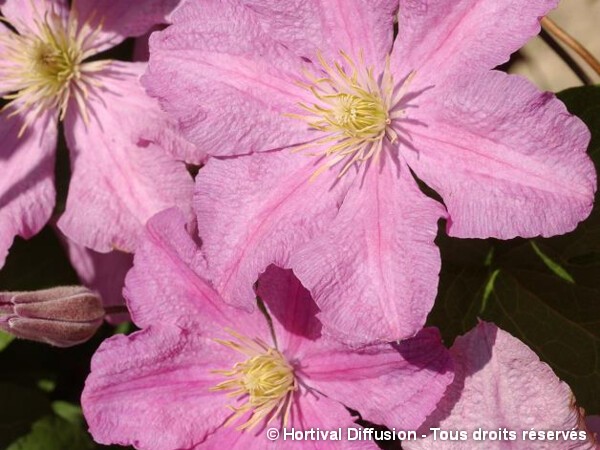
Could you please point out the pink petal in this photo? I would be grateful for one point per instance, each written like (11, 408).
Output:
(478, 34)
(593, 425)
(292, 309)
(227, 71)
(121, 176)
(104, 273)
(310, 411)
(167, 284)
(501, 383)
(23, 15)
(120, 19)
(394, 385)
(374, 270)
(223, 102)
(27, 192)
(507, 160)
(5, 63)
(152, 389)
(279, 210)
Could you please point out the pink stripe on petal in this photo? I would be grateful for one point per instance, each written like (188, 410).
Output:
(279, 210)
(374, 270)
(121, 173)
(167, 284)
(227, 104)
(227, 70)
(440, 38)
(152, 389)
(507, 159)
(27, 192)
(393, 385)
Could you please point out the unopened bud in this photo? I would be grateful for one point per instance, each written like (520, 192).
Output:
(63, 316)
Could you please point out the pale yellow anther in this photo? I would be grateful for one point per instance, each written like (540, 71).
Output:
(43, 65)
(265, 382)
(354, 109)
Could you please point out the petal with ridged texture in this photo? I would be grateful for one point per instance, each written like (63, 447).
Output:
(507, 159)
(27, 193)
(501, 383)
(152, 389)
(478, 34)
(227, 70)
(374, 271)
(121, 176)
(255, 210)
(168, 285)
(397, 385)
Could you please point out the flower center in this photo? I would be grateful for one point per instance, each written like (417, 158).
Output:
(43, 65)
(265, 382)
(354, 108)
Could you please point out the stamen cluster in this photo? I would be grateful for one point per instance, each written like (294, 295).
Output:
(354, 108)
(44, 65)
(265, 380)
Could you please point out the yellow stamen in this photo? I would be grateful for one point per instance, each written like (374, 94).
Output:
(352, 109)
(44, 65)
(265, 381)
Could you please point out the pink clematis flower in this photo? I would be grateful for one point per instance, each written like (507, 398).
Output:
(202, 374)
(117, 135)
(501, 386)
(327, 115)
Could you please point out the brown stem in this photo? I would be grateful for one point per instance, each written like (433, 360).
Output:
(566, 57)
(116, 309)
(552, 27)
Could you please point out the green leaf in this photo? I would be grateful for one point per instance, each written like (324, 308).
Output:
(465, 269)
(546, 292)
(561, 333)
(552, 265)
(21, 406)
(70, 412)
(584, 102)
(54, 433)
(5, 339)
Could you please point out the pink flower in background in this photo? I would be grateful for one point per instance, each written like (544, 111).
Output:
(201, 374)
(117, 135)
(105, 274)
(501, 384)
(326, 115)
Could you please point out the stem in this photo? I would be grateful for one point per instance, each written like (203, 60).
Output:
(567, 59)
(552, 27)
(117, 309)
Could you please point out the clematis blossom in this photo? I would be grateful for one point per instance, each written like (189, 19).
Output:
(500, 385)
(118, 137)
(316, 117)
(202, 374)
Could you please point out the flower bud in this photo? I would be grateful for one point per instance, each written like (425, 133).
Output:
(63, 316)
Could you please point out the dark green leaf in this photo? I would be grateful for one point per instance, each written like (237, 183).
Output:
(21, 406)
(5, 339)
(546, 292)
(54, 433)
